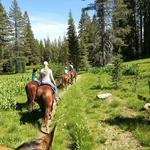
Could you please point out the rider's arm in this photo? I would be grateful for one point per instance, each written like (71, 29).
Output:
(51, 77)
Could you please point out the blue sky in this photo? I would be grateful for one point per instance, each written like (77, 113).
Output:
(49, 18)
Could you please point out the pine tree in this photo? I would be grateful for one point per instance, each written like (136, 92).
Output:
(84, 25)
(74, 55)
(16, 20)
(103, 9)
(28, 39)
(120, 27)
(63, 54)
(4, 33)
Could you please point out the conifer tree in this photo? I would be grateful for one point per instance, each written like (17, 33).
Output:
(28, 39)
(120, 26)
(63, 54)
(74, 55)
(16, 20)
(5, 32)
(84, 40)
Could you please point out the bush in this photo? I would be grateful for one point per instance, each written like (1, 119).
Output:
(9, 65)
(80, 136)
(130, 69)
(116, 71)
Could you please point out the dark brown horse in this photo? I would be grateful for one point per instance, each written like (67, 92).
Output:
(73, 75)
(44, 96)
(66, 80)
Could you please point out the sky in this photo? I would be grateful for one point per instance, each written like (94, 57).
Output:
(49, 18)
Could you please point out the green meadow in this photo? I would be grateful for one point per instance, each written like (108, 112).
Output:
(84, 122)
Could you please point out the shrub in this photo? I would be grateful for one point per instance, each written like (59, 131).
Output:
(116, 71)
(80, 136)
(9, 66)
(130, 69)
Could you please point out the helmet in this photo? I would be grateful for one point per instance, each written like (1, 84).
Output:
(45, 63)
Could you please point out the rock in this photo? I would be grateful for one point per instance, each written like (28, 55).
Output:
(104, 96)
(147, 106)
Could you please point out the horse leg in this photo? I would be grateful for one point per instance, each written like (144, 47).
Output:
(66, 84)
(46, 118)
(33, 98)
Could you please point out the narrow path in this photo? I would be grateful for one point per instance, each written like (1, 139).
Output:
(61, 94)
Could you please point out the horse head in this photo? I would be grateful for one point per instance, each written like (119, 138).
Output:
(42, 143)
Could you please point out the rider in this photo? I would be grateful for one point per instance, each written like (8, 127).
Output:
(46, 77)
(34, 74)
(70, 67)
(66, 71)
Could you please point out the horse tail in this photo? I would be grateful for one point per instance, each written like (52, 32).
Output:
(31, 90)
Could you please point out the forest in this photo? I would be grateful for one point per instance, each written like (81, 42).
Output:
(116, 27)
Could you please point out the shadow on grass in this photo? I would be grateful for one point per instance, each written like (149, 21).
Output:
(31, 117)
(99, 87)
(20, 106)
(128, 123)
(72, 146)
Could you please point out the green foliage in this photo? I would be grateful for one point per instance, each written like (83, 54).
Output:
(142, 133)
(116, 71)
(80, 136)
(16, 20)
(12, 86)
(130, 69)
(84, 40)
(121, 28)
(74, 54)
(106, 69)
(20, 64)
(57, 70)
(9, 65)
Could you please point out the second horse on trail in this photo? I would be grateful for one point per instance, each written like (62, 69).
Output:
(73, 75)
(66, 80)
(44, 96)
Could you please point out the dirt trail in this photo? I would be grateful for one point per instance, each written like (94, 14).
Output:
(61, 94)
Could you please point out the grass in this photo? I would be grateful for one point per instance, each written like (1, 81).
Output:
(109, 123)
(85, 122)
(13, 130)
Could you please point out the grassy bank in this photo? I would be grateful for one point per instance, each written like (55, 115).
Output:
(116, 123)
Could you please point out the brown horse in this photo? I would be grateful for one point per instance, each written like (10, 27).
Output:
(73, 75)
(43, 143)
(31, 89)
(44, 96)
(66, 80)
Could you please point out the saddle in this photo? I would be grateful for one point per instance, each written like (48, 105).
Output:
(41, 84)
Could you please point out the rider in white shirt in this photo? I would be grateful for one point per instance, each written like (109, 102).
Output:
(46, 77)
